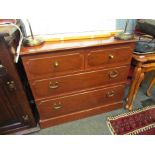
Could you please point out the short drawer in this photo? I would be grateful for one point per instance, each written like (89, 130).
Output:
(101, 57)
(77, 82)
(82, 101)
(46, 65)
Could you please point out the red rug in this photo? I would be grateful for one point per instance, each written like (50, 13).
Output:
(139, 122)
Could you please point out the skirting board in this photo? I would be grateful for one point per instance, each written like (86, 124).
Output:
(28, 131)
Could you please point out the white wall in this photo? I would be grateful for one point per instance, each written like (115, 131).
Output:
(72, 16)
(67, 24)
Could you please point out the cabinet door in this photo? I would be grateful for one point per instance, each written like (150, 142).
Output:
(9, 120)
(15, 112)
(14, 115)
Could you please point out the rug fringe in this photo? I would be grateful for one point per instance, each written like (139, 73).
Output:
(130, 113)
(137, 131)
(110, 128)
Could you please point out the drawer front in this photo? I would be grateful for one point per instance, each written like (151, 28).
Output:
(77, 82)
(109, 57)
(52, 65)
(78, 102)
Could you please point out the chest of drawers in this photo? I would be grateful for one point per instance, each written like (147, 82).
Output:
(76, 79)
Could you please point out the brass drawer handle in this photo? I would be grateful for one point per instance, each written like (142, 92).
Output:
(56, 64)
(113, 74)
(110, 93)
(111, 56)
(53, 85)
(57, 106)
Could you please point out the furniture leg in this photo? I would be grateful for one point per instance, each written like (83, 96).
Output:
(150, 86)
(135, 78)
(135, 91)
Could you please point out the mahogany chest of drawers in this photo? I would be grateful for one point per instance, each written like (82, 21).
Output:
(75, 79)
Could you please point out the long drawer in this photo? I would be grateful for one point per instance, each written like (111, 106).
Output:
(77, 82)
(101, 57)
(82, 101)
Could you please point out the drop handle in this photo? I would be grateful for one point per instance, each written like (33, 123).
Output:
(110, 93)
(53, 85)
(113, 74)
(57, 106)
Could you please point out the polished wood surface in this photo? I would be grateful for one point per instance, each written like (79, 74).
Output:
(78, 82)
(81, 101)
(144, 58)
(148, 92)
(46, 65)
(44, 123)
(76, 60)
(74, 44)
(143, 63)
(101, 57)
(15, 111)
(86, 73)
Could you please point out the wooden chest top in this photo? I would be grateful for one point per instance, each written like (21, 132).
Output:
(71, 44)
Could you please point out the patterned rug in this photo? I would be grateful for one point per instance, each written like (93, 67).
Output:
(139, 122)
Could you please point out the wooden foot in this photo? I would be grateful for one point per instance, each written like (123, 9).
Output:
(136, 90)
(136, 76)
(150, 86)
(130, 108)
(148, 93)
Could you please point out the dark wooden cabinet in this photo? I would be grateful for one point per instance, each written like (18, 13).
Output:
(71, 82)
(15, 110)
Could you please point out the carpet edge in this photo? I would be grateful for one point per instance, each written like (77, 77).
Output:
(134, 132)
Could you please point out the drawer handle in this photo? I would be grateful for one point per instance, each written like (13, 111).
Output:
(110, 93)
(113, 74)
(25, 118)
(53, 85)
(11, 85)
(111, 56)
(56, 64)
(57, 106)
